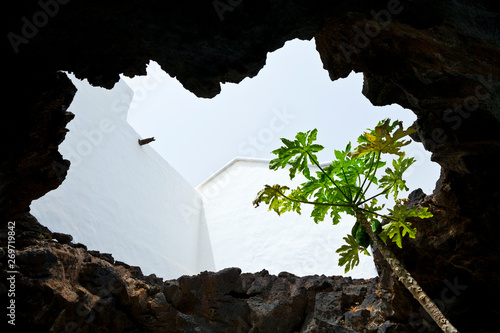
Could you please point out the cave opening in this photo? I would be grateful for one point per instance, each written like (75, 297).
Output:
(438, 58)
(199, 138)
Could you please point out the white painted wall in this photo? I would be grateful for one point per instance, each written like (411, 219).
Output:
(255, 238)
(125, 199)
(122, 198)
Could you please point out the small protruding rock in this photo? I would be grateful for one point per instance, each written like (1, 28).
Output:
(62, 238)
(146, 141)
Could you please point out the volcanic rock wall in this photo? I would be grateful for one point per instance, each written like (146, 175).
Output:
(441, 59)
(66, 288)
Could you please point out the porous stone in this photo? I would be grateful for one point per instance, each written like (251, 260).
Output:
(439, 59)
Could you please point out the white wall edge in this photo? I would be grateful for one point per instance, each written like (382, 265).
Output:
(242, 159)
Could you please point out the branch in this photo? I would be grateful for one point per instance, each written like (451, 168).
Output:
(311, 202)
(375, 213)
(376, 195)
(371, 180)
(406, 279)
(364, 181)
(328, 176)
(347, 182)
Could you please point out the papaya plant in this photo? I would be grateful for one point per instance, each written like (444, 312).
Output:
(343, 186)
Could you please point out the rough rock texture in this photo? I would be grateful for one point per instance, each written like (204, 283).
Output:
(445, 67)
(31, 133)
(62, 287)
(438, 58)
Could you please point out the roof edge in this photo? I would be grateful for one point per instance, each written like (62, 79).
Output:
(227, 165)
(241, 159)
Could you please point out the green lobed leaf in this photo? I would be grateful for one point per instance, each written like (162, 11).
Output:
(271, 195)
(393, 180)
(349, 254)
(297, 153)
(400, 227)
(346, 180)
(381, 140)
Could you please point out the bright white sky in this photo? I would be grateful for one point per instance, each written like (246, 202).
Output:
(291, 93)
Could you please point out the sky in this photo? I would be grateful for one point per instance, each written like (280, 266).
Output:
(122, 198)
(198, 137)
(291, 93)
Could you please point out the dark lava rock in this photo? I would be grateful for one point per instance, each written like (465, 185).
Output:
(440, 59)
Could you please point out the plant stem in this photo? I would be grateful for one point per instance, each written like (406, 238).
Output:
(345, 178)
(371, 180)
(376, 195)
(313, 159)
(313, 203)
(375, 213)
(405, 277)
(364, 181)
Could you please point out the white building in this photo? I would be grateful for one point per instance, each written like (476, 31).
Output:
(255, 238)
(123, 198)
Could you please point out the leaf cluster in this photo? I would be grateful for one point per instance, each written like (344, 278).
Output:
(349, 253)
(399, 226)
(385, 138)
(342, 186)
(297, 153)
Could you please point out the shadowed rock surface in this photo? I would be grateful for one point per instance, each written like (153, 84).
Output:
(63, 287)
(440, 59)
